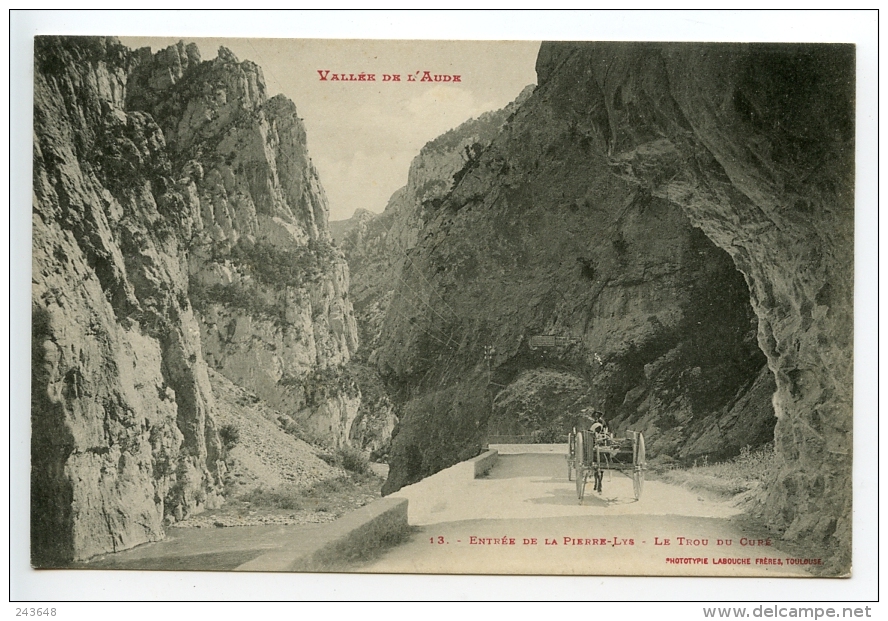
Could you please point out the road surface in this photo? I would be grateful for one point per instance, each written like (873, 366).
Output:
(524, 518)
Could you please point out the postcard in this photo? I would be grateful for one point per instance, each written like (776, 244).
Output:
(443, 307)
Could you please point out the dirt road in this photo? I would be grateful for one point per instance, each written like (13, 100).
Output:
(524, 518)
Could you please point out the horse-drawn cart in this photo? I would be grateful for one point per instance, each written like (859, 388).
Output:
(590, 453)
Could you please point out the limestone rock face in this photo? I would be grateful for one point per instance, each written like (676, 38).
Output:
(271, 290)
(123, 433)
(647, 319)
(377, 247)
(756, 145)
(670, 218)
(177, 219)
(339, 229)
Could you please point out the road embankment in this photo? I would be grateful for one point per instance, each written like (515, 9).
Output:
(353, 537)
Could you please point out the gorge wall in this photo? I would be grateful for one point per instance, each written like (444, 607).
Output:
(682, 217)
(530, 234)
(376, 246)
(271, 291)
(121, 419)
(178, 221)
(756, 145)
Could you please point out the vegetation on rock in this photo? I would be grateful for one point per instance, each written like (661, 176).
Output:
(285, 267)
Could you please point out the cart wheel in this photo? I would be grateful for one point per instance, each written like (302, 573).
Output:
(638, 470)
(581, 470)
(571, 456)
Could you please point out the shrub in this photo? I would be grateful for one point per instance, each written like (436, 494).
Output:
(347, 458)
(750, 468)
(353, 460)
(330, 486)
(328, 459)
(230, 435)
(241, 295)
(290, 381)
(546, 436)
(322, 496)
(323, 383)
(285, 498)
(285, 266)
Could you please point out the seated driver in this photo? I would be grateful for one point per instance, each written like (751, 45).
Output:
(599, 425)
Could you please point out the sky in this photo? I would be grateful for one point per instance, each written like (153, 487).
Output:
(362, 136)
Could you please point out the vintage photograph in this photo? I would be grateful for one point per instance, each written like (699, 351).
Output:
(442, 307)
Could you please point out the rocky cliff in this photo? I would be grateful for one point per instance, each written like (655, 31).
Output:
(755, 144)
(271, 290)
(122, 427)
(178, 221)
(376, 247)
(672, 219)
(533, 237)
